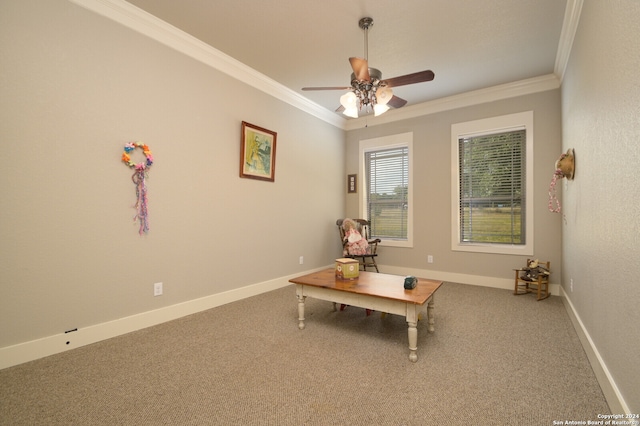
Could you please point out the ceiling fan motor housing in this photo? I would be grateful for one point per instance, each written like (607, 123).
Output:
(365, 89)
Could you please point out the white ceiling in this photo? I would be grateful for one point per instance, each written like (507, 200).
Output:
(469, 45)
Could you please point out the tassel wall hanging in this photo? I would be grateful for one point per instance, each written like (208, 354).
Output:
(139, 179)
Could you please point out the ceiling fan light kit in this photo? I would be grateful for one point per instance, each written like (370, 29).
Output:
(366, 94)
(368, 90)
(350, 103)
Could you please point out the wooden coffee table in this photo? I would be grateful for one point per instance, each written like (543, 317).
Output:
(371, 290)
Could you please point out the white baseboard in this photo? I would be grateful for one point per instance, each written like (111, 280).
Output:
(51, 345)
(40, 348)
(452, 277)
(609, 388)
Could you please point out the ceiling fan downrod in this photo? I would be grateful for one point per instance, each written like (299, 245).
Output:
(365, 24)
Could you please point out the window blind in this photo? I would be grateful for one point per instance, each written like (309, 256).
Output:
(492, 188)
(387, 174)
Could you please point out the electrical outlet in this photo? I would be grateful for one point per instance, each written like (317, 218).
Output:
(429, 259)
(301, 260)
(157, 289)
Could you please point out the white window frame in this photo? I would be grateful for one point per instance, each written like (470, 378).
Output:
(392, 141)
(501, 124)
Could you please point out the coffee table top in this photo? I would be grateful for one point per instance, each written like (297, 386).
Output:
(385, 286)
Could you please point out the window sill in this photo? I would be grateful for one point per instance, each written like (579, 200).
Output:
(524, 250)
(396, 243)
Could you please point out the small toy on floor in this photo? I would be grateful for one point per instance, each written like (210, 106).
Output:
(533, 270)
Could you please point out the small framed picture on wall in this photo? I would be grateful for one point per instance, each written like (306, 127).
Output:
(352, 184)
(257, 153)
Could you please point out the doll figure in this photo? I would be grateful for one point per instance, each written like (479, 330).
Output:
(354, 243)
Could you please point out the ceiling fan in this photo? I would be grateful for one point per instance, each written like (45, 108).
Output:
(368, 90)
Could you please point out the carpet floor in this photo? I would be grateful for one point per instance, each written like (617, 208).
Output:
(494, 359)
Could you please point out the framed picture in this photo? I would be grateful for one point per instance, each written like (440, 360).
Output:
(257, 153)
(352, 184)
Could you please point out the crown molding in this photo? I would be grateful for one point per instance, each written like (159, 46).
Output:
(569, 28)
(144, 23)
(476, 97)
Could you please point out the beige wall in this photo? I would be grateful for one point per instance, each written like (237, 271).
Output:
(432, 190)
(600, 110)
(74, 88)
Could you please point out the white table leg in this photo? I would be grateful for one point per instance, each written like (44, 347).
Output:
(413, 341)
(412, 321)
(430, 319)
(301, 311)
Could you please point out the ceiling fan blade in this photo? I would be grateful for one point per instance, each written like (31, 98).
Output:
(326, 88)
(360, 69)
(396, 102)
(416, 77)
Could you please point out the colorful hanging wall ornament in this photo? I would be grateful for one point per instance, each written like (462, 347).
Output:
(564, 168)
(138, 177)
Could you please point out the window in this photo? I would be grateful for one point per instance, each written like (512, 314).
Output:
(493, 185)
(387, 172)
(387, 191)
(492, 188)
